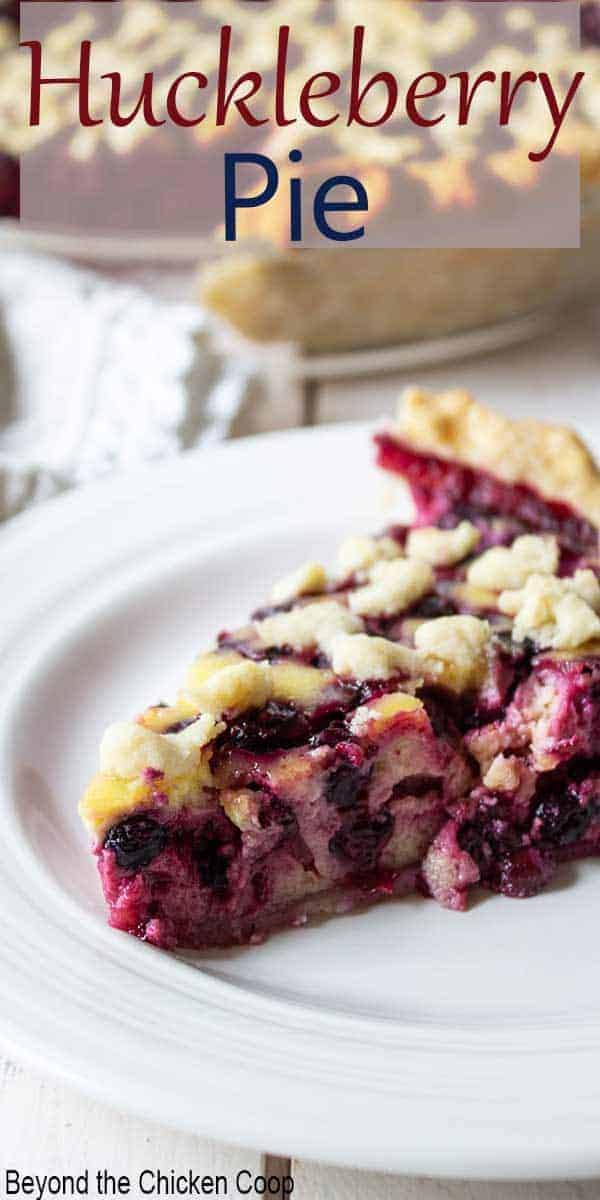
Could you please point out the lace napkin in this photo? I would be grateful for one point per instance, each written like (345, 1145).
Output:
(98, 375)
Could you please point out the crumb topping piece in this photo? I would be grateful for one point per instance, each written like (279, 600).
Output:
(561, 614)
(241, 807)
(128, 749)
(510, 566)
(503, 774)
(372, 717)
(161, 718)
(393, 587)
(208, 664)
(235, 689)
(310, 578)
(454, 650)
(308, 625)
(297, 684)
(358, 656)
(358, 553)
(443, 547)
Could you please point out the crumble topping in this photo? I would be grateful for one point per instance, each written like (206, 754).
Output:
(558, 613)
(303, 686)
(510, 566)
(361, 657)
(307, 579)
(208, 664)
(455, 648)
(241, 807)
(128, 749)
(477, 598)
(161, 718)
(393, 587)
(503, 774)
(549, 458)
(378, 713)
(236, 688)
(358, 553)
(309, 625)
(443, 547)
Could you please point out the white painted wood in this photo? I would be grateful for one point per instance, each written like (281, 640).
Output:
(49, 1128)
(315, 1182)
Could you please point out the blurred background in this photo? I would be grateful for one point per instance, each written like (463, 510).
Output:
(116, 350)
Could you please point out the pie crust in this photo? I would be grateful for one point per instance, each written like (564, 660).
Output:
(549, 458)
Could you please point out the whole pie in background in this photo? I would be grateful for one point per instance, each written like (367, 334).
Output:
(327, 301)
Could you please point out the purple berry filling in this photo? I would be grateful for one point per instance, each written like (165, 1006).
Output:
(450, 491)
(361, 839)
(136, 841)
(344, 787)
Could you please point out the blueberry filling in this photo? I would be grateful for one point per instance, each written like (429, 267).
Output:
(505, 864)
(521, 873)
(418, 785)
(275, 813)
(280, 726)
(487, 836)
(136, 841)
(443, 489)
(517, 855)
(260, 887)
(561, 822)
(361, 838)
(344, 786)
(215, 850)
(274, 727)
(334, 733)
(431, 607)
(445, 712)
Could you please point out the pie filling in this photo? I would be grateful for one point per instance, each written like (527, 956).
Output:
(447, 492)
(426, 717)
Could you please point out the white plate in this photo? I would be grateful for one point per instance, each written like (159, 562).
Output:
(405, 1038)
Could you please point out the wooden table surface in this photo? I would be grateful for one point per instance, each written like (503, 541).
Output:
(46, 1127)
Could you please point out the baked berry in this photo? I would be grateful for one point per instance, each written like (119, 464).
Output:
(136, 841)
(361, 841)
(215, 851)
(522, 873)
(561, 822)
(344, 786)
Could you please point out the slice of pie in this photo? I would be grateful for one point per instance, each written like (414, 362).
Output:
(426, 717)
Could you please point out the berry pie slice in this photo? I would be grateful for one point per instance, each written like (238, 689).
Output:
(426, 716)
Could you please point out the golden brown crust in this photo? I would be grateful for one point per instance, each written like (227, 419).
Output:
(550, 458)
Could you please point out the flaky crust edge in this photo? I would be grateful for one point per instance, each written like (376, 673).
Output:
(552, 459)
